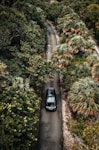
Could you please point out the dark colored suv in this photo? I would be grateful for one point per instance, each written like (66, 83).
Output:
(50, 101)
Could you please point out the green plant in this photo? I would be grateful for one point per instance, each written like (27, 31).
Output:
(62, 57)
(71, 75)
(87, 130)
(19, 117)
(91, 60)
(76, 44)
(83, 97)
(95, 72)
(91, 135)
(4, 75)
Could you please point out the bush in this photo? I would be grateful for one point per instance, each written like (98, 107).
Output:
(19, 116)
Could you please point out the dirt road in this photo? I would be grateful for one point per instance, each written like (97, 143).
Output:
(50, 137)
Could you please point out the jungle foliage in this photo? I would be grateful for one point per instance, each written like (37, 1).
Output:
(78, 65)
(72, 55)
(22, 45)
(23, 67)
(88, 11)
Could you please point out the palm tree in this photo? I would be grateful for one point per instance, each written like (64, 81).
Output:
(76, 44)
(67, 22)
(62, 57)
(69, 26)
(62, 48)
(92, 59)
(82, 70)
(80, 27)
(89, 45)
(83, 97)
(95, 72)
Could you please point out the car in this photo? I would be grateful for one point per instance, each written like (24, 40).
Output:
(49, 46)
(50, 100)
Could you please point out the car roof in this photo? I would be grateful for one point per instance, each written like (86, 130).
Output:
(51, 99)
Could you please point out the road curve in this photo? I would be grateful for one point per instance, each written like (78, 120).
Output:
(50, 135)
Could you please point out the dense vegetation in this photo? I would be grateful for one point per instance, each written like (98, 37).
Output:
(78, 64)
(89, 13)
(22, 72)
(23, 68)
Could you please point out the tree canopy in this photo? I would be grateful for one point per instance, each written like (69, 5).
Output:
(23, 67)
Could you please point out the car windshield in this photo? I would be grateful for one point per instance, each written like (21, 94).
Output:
(50, 93)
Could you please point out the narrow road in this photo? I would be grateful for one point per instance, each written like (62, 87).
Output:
(50, 137)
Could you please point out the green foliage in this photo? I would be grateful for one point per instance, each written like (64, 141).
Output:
(22, 41)
(62, 22)
(70, 75)
(89, 13)
(39, 69)
(79, 146)
(4, 75)
(77, 77)
(92, 59)
(7, 2)
(88, 130)
(77, 43)
(91, 135)
(20, 36)
(19, 118)
(77, 126)
(93, 12)
(62, 57)
(55, 10)
(93, 16)
(19, 82)
(4, 37)
(84, 97)
(32, 12)
(74, 33)
(95, 72)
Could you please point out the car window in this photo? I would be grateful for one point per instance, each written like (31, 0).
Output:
(50, 104)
